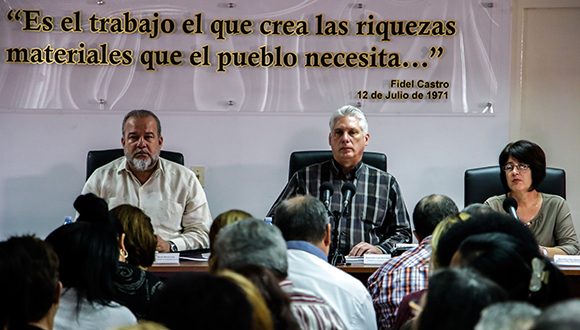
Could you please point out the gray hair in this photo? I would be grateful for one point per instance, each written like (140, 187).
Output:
(508, 316)
(350, 111)
(251, 242)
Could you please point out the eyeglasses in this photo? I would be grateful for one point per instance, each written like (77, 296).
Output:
(522, 167)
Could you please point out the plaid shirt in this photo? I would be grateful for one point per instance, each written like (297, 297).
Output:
(377, 213)
(398, 277)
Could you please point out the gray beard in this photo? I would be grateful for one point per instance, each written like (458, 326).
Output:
(141, 164)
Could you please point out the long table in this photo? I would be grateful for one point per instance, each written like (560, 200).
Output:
(361, 272)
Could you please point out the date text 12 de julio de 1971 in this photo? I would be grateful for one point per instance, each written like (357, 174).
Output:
(403, 90)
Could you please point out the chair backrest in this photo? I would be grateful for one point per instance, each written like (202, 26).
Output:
(301, 159)
(98, 158)
(483, 182)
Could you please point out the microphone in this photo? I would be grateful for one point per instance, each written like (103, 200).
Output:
(510, 205)
(348, 191)
(326, 190)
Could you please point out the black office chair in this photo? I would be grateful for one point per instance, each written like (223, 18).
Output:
(301, 159)
(98, 158)
(484, 182)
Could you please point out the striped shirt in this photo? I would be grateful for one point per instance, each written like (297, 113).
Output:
(377, 214)
(311, 311)
(398, 277)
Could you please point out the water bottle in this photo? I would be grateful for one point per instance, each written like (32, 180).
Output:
(268, 220)
(68, 219)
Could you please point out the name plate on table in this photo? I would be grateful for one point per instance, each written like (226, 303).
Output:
(368, 259)
(166, 258)
(564, 260)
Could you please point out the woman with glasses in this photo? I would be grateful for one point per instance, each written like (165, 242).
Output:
(523, 165)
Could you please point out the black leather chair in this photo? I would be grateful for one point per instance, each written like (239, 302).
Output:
(98, 158)
(301, 159)
(483, 182)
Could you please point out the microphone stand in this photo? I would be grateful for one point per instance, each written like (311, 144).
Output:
(337, 257)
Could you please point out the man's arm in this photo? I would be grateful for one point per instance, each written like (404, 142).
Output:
(397, 220)
(196, 221)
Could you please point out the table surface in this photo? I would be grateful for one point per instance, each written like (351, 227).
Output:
(201, 266)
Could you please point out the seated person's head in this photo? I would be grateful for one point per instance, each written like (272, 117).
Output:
(439, 231)
(88, 250)
(505, 251)
(29, 270)
(140, 241)
(429, 211)
(510, 315)
(276, 299)
(222, 220)
(564, 315)
(455, 299)
(201, 301)
(304, 218)
(251, 242)
(261, 315)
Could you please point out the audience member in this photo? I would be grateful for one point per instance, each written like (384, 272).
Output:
(404, 312)
(505, 251)
(202, 301)
(253, 242)
(134, 285)
(509, 315)
(276, 299)
(168, 192)
(222, 220)
(144, 325)
(304, 223)
(564, 315)
(88, 250)
(548, 217)
(261, 315)
(377, 218)
(409, 272)
(456, 298)
(29, 271)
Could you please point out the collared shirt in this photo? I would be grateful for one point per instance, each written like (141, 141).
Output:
(377, 214)
(346, 294)
(311, 311)
(306, 247)
(398, 277)
(172, 197)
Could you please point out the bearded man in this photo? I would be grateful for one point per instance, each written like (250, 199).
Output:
(169, 193)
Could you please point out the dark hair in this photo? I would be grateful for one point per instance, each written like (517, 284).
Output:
(29, 270)
(455, 299)
(429, 211)
(525, 152)
(501, 258)
(503, 250)
(88, 250)
(302, 218)
(276, 299)
(141, 114)
(140, 240)
(201, 301)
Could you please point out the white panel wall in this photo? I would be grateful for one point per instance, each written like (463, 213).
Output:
(246, 156)
(42, 163)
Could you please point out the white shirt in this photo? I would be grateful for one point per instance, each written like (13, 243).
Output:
(172, 197)
(347, 295)
(90, 317)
